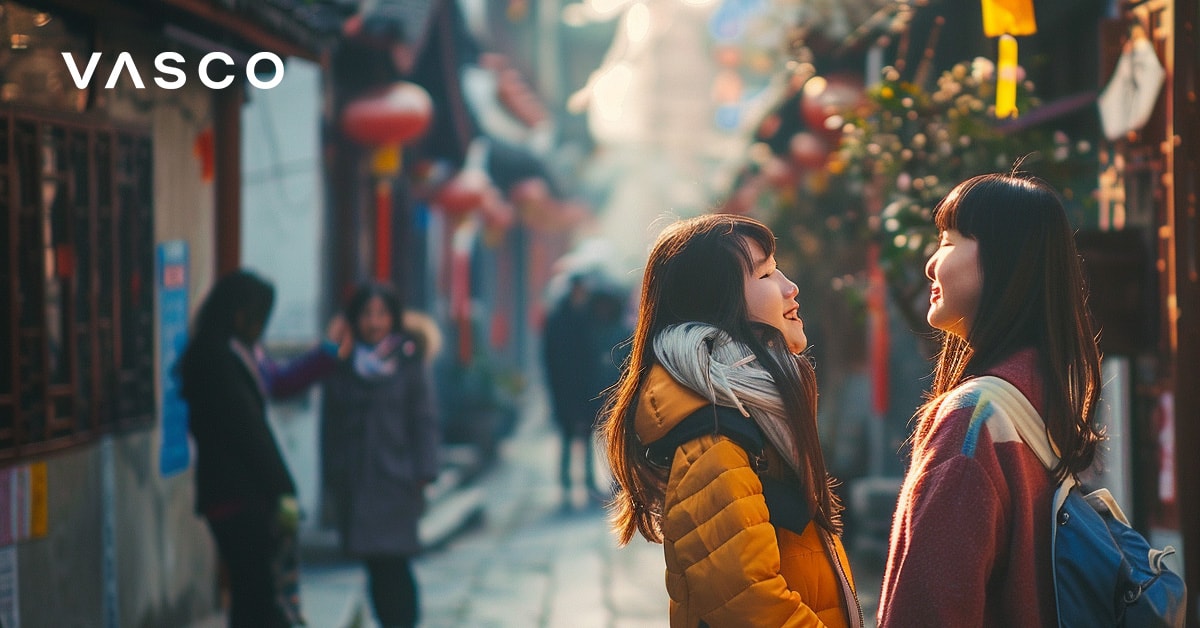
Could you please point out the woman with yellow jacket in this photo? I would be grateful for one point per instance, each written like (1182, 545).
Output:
(750, 533)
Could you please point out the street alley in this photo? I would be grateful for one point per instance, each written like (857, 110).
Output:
(529, 560)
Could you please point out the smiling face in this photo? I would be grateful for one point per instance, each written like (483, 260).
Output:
(374, 322)
(771, 299)
(957, 283)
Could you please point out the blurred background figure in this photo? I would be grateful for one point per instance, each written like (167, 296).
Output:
(243, 487)
(612, 333)
(570, 353)
(379, 445)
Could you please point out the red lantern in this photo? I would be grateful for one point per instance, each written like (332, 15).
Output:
(825, 97)
(808, 150)
(777, 173)
(463, 193)
(529, 193)
(498, 214)
(394, 115)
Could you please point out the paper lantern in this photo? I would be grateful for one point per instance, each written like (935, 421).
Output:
(395, 114)
(1012, 17)
(808, 150)
(463, 193)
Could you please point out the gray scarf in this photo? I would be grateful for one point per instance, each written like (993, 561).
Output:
(727, 376)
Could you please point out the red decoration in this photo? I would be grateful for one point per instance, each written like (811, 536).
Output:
(498, 214)
(808, 150)
(204, 148)
(825, 97)
(463, 193)
(777, 173)
(531, 192)
(394, 115)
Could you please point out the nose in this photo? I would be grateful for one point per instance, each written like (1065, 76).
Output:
(790, 289)
(929, 266)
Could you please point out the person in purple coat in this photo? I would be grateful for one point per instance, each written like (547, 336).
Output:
(379, 445)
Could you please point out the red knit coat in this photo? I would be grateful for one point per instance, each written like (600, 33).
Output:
(970, 542)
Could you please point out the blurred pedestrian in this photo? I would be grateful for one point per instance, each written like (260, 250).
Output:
(750, 537)
(243, 487)
(968, 546)
(570, 358)
(612, 350)
(379, 446)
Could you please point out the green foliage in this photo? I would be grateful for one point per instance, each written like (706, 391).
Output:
(904, 149)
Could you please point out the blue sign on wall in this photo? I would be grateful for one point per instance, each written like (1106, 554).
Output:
(172, 274)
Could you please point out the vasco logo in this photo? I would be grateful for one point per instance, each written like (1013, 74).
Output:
(172, 76)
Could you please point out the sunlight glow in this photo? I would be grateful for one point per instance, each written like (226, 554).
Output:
(611, 91)
(637, 23)
(606, 7)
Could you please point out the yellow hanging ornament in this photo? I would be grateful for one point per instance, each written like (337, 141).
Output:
(1006, 78)
(1005, 18)
(1008, 17)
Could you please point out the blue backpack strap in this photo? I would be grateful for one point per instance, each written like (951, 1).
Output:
(786, 504)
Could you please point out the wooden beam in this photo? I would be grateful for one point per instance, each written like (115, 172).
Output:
(244, 28)
(227, 127)
(1185, 177)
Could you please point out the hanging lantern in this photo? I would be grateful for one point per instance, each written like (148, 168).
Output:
(498, 214)
(394, 115)
(385, 119)
(468, 189)
(827, 96)
(1006, 18)
(463, 193)
(808, 150)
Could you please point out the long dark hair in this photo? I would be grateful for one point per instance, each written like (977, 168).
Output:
(1033, 295)
(239, 293)
(696, 272)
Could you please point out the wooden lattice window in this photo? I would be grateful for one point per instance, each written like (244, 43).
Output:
(76, 272)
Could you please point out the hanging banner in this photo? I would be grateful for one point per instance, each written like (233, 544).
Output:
(172, 291)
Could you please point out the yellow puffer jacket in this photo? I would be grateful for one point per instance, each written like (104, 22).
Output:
(726, 564)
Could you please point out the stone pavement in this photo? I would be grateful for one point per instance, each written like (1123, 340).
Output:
(538, 562)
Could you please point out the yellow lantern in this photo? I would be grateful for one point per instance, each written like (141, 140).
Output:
(1006, 18)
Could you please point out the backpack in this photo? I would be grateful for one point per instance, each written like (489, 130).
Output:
(1105, 572)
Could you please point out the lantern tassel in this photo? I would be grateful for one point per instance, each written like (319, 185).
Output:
(1006, 78)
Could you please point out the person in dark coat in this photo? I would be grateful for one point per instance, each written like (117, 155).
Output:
(570, 359)
(243, 487)
(379, 445)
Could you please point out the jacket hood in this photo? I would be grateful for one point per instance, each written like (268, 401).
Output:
(424, 329)
(662, 404)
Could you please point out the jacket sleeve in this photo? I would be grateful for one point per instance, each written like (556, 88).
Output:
(288, 380)
(425, 434)
(723, 555)
(947, 530)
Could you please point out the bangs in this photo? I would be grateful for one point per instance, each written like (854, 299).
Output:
(752, 231)
(945, 214)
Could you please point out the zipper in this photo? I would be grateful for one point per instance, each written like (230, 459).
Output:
(848, 592)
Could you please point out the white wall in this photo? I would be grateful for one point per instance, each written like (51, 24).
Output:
(282, 233)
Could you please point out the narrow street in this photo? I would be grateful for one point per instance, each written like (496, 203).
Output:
(529, 560)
